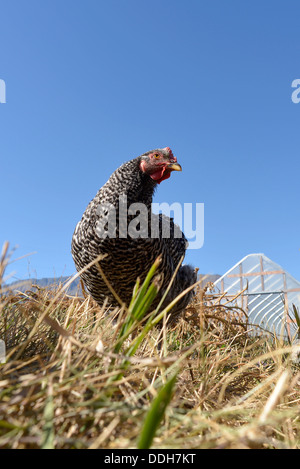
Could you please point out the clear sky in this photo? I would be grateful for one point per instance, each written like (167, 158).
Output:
(93, 83)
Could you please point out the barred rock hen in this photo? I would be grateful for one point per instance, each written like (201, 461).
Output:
(130, 255)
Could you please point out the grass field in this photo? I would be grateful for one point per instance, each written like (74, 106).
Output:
(80, 376)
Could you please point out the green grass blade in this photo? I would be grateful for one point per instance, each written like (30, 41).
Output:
(297, 317)
(140, 303)
(135, 306)
(48, 428)
(156, 414)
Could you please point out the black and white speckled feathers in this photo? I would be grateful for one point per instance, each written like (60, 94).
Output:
(128, 258)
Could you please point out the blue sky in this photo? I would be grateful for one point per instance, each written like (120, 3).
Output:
(91, 84)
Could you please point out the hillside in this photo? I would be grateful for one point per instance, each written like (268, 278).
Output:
(48, 282)
(75, 288)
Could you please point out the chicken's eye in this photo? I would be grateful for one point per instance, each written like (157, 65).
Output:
(156, 155)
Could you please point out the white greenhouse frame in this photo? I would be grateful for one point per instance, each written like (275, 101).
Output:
(265, 291)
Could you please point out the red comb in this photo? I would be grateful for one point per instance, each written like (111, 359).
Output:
(172, 157)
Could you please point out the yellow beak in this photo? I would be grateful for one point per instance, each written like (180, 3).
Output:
(174, 167)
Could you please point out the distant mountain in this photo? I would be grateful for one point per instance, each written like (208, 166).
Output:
(27, 284)
(75, 287)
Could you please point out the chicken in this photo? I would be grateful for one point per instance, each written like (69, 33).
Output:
(129, 243)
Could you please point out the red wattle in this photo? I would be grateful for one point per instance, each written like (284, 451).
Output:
(160, 175)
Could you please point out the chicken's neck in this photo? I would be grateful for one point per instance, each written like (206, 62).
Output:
(137, 186)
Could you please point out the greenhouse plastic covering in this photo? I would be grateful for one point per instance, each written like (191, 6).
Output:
(268, 294)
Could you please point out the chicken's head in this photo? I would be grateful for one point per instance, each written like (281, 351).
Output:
(159, 164)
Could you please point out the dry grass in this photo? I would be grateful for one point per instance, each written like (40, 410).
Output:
(64, 386)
